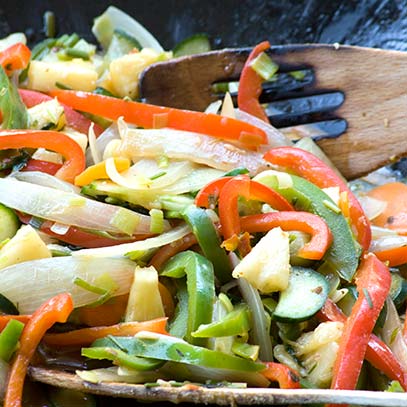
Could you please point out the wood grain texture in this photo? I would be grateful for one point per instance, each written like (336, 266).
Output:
(220, 396)
(374, 82)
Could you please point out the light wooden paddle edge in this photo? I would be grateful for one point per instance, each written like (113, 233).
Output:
(220, 396)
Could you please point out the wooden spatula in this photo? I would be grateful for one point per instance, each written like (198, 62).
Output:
(351, 100)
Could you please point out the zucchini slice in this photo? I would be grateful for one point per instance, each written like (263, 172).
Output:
(305, 295)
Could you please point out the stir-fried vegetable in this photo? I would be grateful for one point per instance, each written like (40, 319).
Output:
(184, 245)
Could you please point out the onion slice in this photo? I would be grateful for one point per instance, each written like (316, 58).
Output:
(72, 209)
(31, 283)
(184, 145)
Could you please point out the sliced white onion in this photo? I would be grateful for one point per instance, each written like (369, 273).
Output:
(31, 283)
(59, 228)
(392, 334)
(214, 107)
(274, 136)
(111, 133)
(71, 209)
(228, 109)
(46, 180)
(140, 246)
(94, 152)
(378, 232)
(141, 176)
(184, 145)
(388, 243)
(371, 206)
(118, 374)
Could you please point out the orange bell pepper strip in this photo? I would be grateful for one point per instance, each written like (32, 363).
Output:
(316, 171)
(378, 354)
(394, 257)
(321, 236)
(143, 114)
(57, 309)
(4, 319)
(74, 119)
(373, 281)
(16, 56)
(250, 85)
(51, 140)
(286, 377)
(242, 185)
(85, 336)
(98, 171)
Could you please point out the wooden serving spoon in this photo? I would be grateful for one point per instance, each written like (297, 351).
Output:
(351, 100)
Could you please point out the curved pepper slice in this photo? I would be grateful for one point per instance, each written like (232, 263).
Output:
(143, 114)
(250, 85)
(286, 377)
(302, 221)
(313, 169)
(51, 140)
(373, 281)
(200, 286)
(57, 309)
(243, 186)
(377, 352)
(42, 166)
(16, 56)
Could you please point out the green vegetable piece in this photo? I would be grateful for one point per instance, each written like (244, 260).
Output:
(7, 307)
(9, 337)
(209, 241)
(9, 223)
(236, 322)
(245, 350)
(121, 358)
(164, 347)
(13, 109)
(195, 44)
(344, 252)
(264, 66)
(49, 24)
(178, 325)
(200, 286)
(121, 44)
(398, 290)
(305, 295)
(395, 387)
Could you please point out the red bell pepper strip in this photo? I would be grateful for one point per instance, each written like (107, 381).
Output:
(57, 309)
(316, 171)
(286, 377)
(143, 114)
(16, 56)
(208, 195)
(303, 221)
(250, 85)
(42, 166)
(243, 186)
(373, 281)
(378, 354)
(51, 140)
(73, 119)
(78, 237)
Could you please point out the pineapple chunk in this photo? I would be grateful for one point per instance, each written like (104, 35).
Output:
(80, 138)
(76, 74)
(317, 351)
(267, 266)
(144, 299)
(46, 115)
(24, 246)
(125, 71)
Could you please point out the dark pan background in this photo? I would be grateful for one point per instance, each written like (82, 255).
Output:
(375, 23)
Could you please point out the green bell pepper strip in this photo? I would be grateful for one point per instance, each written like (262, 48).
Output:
(200, 286)
(245, 350)
(209, 241)
(236, 322)
(121, 358)
(344, 252)
(170, 348)
(9, 339)
(13, 110)
(178, 325)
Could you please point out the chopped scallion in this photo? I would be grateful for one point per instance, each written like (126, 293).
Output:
(330, 205)
(76, 53)
(157, 221)
(49, 24)
(264, 66)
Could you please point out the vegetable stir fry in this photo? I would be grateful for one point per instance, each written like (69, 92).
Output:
(178, 246)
